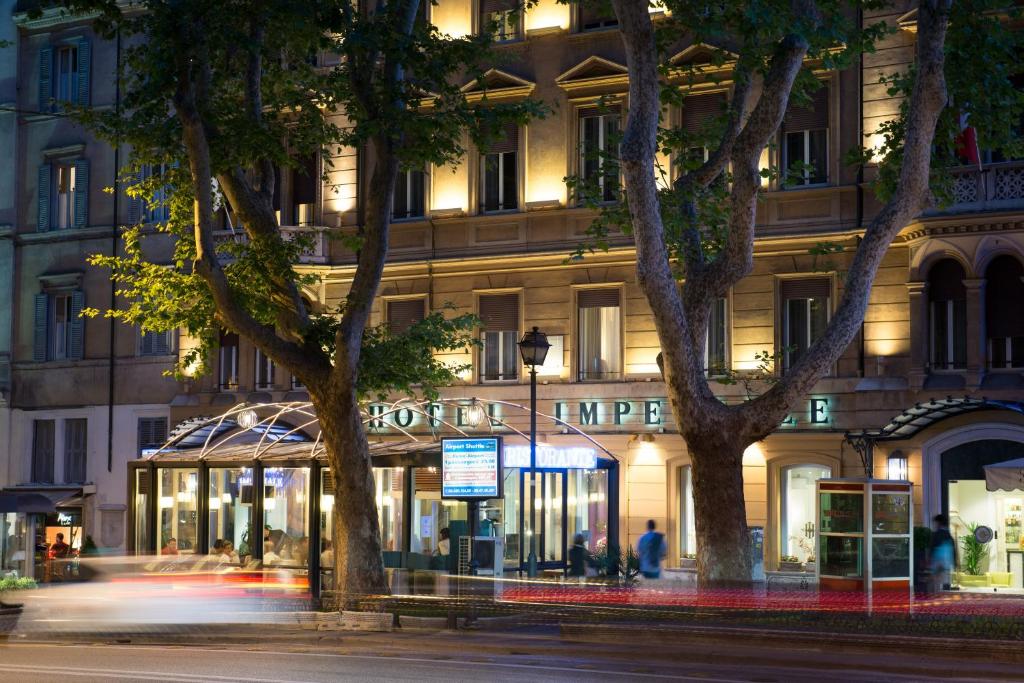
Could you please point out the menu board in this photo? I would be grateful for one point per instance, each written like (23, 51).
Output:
(471, 468)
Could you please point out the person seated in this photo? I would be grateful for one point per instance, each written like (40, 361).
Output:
(300, 551)
(171, 548)
(228, 553)
(217, 549)
(270, 558)
(327, 555)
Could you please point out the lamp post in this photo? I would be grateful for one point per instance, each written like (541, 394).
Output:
(533, 347)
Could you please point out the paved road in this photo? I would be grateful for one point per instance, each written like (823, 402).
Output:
(32, 663)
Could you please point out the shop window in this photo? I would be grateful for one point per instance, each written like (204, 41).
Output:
(13, 545)
(286, 516)
(227, 366)
(404, 313)
(499, 173)
(600, 335)
(587, 510)
(500, 17)
(430, 515)
(508, 523)
(178, 499)
(716, 352)
(599, 132)
(1004, 312)
(805, 141)
(797, 530)
(499, 354)
(595, 15)
(805, 313)
(409, 195)
(947, 308)
(687, 519)
(389, 490)
(156, 343)
(265, 369)
(552, 540)
(152, 434)
(42, 451)
(75, 450)
(230, 520)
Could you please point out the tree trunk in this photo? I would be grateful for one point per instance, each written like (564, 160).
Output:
(723, 544)
(358, 563)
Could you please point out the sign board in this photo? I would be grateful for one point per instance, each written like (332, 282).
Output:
(552, 457)
(471, 468)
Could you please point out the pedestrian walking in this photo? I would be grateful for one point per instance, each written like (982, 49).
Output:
(651, 549)
(579, 558)
(941, 554)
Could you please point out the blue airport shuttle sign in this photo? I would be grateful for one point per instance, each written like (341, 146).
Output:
(471, 468)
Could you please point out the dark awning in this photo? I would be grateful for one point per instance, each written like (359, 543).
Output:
(26, 502)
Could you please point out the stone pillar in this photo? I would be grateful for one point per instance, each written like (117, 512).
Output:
(977, 346)
(918, 294)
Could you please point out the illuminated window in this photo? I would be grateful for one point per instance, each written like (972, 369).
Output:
(805, 311)
(409, 195)
(805, 141)
(600, 335)
(598, 134)
(499, 173)
(499, 354)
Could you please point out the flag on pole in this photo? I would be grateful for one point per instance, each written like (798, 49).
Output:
(967, 142)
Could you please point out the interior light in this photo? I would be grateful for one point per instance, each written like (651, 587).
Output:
(166, 502)
(214, 502)
(327, 502)
(269, 504)
(183, 496)
(226, 498)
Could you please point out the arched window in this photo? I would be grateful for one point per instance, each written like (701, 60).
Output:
(947, 298)
(797, 526)
(1004, 312)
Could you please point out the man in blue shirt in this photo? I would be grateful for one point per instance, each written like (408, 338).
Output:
(651, 549)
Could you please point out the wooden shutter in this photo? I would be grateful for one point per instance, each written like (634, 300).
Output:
(598, 298)
(45, 186)
(81, 193)
(84, 68)
(507, 140)
(304, 181)
(499, 312)
(42, 451)
(810, 288)
(77, 324)
(699, 109)
(1004, 298)
(134, 203)
(812, 117)
(40, 326)
(488, 6)
(75, 432)
(404, 314)
(162, 343)
(45, 79)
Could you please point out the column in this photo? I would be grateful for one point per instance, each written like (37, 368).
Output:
(977, 348)
(918, 294)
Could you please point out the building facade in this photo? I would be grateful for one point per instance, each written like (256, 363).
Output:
(931, 390)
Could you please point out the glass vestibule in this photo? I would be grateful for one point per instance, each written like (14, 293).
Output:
(286, 516)
(177, 494)
(230, 516)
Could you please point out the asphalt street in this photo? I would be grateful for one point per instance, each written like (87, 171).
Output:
(37, 662)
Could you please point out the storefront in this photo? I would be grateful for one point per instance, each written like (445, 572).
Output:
(263, 492)
(38, 539)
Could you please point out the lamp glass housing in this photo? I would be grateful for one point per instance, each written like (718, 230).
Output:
(533, 347)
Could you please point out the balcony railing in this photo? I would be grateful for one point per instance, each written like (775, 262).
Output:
(316, 252)
(1002, 182)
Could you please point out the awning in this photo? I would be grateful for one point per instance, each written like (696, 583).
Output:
(26, 502)
(1005, 476)
(54, 496)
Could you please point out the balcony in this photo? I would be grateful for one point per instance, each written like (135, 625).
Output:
(316, 252)
(993, 187)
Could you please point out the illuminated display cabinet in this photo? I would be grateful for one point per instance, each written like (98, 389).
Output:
(865, 535)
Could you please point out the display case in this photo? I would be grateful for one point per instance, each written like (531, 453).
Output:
(865, 531)
(1011, 523)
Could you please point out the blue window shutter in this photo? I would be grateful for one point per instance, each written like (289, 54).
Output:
(45, 79)
(39, 331)
(81, 193)
(45, 185)
(84, 67)
(134, 203)
(77, 324)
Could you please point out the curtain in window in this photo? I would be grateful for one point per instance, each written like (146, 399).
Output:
(600, 339)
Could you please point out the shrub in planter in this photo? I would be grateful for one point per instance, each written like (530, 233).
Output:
(9, 612)
(688, 561)
(790, 563)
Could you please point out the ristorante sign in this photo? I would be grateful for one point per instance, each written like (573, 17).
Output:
(648, 414)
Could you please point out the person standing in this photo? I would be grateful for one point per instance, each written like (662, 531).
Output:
(941, 554)
(579, 558)
(651, 549)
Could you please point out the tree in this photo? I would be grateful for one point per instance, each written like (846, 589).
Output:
(221, 94)
(700, 229)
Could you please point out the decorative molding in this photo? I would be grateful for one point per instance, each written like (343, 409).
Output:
(497, 85)
(608, 73)
(58, 281)
(63, 152)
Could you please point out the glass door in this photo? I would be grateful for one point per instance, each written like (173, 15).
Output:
(551, 518)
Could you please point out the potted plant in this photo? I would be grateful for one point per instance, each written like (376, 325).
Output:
(688, 561)
(9, 612)
(790, 563)
(974, 551)
(811, 564)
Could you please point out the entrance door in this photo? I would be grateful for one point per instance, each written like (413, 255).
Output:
(551, 518)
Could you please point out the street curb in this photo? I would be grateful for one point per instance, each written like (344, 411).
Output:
(1004, 650)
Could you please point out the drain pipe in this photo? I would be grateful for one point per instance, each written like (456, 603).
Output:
(113, 252)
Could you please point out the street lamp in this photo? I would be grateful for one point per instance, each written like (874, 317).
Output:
(533, 347)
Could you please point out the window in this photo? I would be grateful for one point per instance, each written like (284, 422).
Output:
(154, 208)
(264, 371)
(155, 343)
(501, 17)
(598, 131)
(805, 310)
(799, 509)
(409, 194)
(227, 377)
(63, 195)
(64, 73)
(152, 433)
(594, 16)
(75, 450)
(42, 451)
(498, 173)
(177, 495)
(404, 313)
(699, 114)
(687, 520)
(305, 179)
(600, 334)
(58, 326)
(947, 304)
(805, 141)
(716, 353)
(1004, 312)
(286, 516)
(499, 355)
